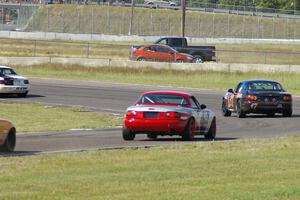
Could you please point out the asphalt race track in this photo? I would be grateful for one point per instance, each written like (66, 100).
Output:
(115, 98)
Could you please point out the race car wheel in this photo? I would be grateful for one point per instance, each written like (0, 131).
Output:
(225, 111)
(151, 136)
(127, 135)
(189, 133)
(239, 112)
(10, 141)
(212, 130)
(141, 59)
(22, 94)
(287, 112)
(271, 114)
(198, 59)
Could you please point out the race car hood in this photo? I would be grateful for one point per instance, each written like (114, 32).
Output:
(15, 76)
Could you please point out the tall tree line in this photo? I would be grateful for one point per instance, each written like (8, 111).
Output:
(275, 4)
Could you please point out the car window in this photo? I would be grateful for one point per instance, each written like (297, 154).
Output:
(238, 87)
(194, 103)
(162, 99)
(163, 41)
(264, 85)
(162, 49)
(175, 42)
(4, 72)
(149, 48)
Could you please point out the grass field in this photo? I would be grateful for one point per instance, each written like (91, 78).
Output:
(195, 79)
(115, 20)
(265, 169)
(38, 117)
(226, 53)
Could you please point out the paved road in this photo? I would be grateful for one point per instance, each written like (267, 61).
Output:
(114, 98)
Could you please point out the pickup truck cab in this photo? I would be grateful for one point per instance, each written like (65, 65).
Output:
(200, 53)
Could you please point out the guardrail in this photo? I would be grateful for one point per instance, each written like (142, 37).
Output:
(218, 67)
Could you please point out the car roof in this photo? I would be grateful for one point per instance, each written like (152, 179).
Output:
(161, 45)
(184, 94)
(258, 80)
(2, 66)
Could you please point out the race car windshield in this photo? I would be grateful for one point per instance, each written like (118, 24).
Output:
(4, 72)
(162, 99)
(261, 86)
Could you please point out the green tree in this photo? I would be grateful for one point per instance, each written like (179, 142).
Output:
(297, 5)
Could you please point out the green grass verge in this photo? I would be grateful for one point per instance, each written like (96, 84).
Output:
(195, 79)
(266, 169)
(38, 117)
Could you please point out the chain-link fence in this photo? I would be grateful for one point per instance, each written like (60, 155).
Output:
(115, 20)
(15, 16)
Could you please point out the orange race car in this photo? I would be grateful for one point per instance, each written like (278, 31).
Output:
(7, 136)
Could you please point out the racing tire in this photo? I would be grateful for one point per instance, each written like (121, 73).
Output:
(239, 112)
(188, 133)
(271, 114)
(127, 134)
(151, 136)
(198, 59)
(225, 111)
(22, 94)
(287, 112)
(211, 134)
(141, 59)
(10, 141)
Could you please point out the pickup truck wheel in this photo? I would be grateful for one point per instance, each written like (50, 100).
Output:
(198, 59)
(141, 59)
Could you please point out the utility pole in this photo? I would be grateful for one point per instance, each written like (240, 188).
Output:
(296, 6)
(131, 18)
(182, 18)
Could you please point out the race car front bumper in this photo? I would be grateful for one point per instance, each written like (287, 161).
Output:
(12, 89)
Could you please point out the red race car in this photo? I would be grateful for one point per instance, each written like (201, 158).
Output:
(168, 113)
(160, 53)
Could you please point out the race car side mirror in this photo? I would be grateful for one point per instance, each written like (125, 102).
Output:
(230, 90)
(202, 106)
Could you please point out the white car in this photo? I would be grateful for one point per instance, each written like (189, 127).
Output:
(160, 3)
(11, 83)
